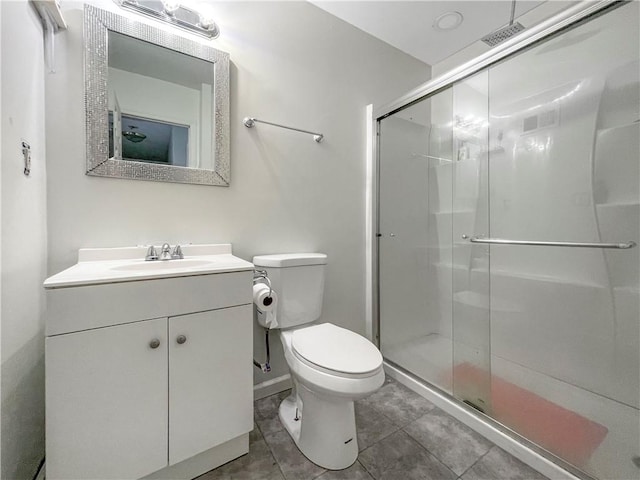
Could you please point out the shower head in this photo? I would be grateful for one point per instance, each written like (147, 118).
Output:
(504, 33)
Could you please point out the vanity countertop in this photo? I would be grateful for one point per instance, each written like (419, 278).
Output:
(114, 265)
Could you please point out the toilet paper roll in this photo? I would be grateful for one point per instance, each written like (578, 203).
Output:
(261, 298)
(266, 305)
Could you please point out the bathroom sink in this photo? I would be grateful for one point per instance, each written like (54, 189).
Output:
(143, 266)
(126, 264)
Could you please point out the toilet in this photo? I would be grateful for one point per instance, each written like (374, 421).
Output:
(330, 366)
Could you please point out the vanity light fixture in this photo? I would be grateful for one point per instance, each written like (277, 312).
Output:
(194, 20)
(448, 21)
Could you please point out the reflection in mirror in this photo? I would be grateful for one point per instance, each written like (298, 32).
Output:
(165, 115)
(157, 104)
(149, 141)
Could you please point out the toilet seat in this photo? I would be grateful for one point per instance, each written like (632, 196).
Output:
(336, 350)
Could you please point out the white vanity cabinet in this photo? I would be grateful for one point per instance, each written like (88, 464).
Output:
(106, 402)
(209, 382)
(148, 378)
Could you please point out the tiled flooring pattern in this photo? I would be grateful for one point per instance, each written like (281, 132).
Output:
(400, 435)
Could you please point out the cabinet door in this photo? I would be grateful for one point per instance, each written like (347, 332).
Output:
(210, 379)
(106, 402)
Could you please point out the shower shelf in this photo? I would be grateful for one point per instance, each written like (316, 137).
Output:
(546, 279)
(617, 204)
(481, 300)
(454, 212)
(534, 277)
(457, 268)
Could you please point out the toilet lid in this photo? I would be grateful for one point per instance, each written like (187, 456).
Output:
(336, 348)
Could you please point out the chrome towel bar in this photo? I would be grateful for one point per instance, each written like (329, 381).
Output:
(249, 122)
(502, 241)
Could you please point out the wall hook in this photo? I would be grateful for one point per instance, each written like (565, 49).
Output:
(26, 153)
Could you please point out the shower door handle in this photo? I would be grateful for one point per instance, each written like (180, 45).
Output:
(503, 241)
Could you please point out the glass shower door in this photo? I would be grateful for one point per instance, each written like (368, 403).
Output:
(564, 167)
(415, 244)
(470, 213)
(433, 284)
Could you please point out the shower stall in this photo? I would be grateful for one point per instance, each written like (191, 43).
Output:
(508, 210)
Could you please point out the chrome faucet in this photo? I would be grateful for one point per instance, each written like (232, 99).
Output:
(165, 254)
(151, 254)
(177, 252)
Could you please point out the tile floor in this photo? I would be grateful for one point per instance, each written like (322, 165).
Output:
(400, 435)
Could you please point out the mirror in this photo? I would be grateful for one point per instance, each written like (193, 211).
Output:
(157, 104)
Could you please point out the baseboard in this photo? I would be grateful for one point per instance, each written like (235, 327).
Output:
(523, 453)
(270, 387)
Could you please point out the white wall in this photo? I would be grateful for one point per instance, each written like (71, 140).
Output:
(23, 241)
(291, 63)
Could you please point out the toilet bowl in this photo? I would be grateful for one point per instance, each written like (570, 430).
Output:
(330, 366)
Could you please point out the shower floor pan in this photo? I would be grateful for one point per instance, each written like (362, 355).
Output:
(597, 434)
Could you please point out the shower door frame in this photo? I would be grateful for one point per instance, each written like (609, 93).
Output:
(572, 16)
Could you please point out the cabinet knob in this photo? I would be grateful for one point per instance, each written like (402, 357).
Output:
(155, 343)
(181, 339)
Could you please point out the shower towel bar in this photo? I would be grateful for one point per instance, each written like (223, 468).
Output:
(249, 122)
(502, 241)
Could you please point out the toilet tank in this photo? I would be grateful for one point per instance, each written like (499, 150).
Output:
(298, 280)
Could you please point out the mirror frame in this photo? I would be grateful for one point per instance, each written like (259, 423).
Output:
(97, 24)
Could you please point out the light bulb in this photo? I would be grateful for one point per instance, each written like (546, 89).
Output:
(170, 6)
(206, 18)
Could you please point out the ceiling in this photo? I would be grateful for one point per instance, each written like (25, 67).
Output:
(408, 25)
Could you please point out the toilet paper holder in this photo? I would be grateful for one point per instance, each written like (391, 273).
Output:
(261, 276)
